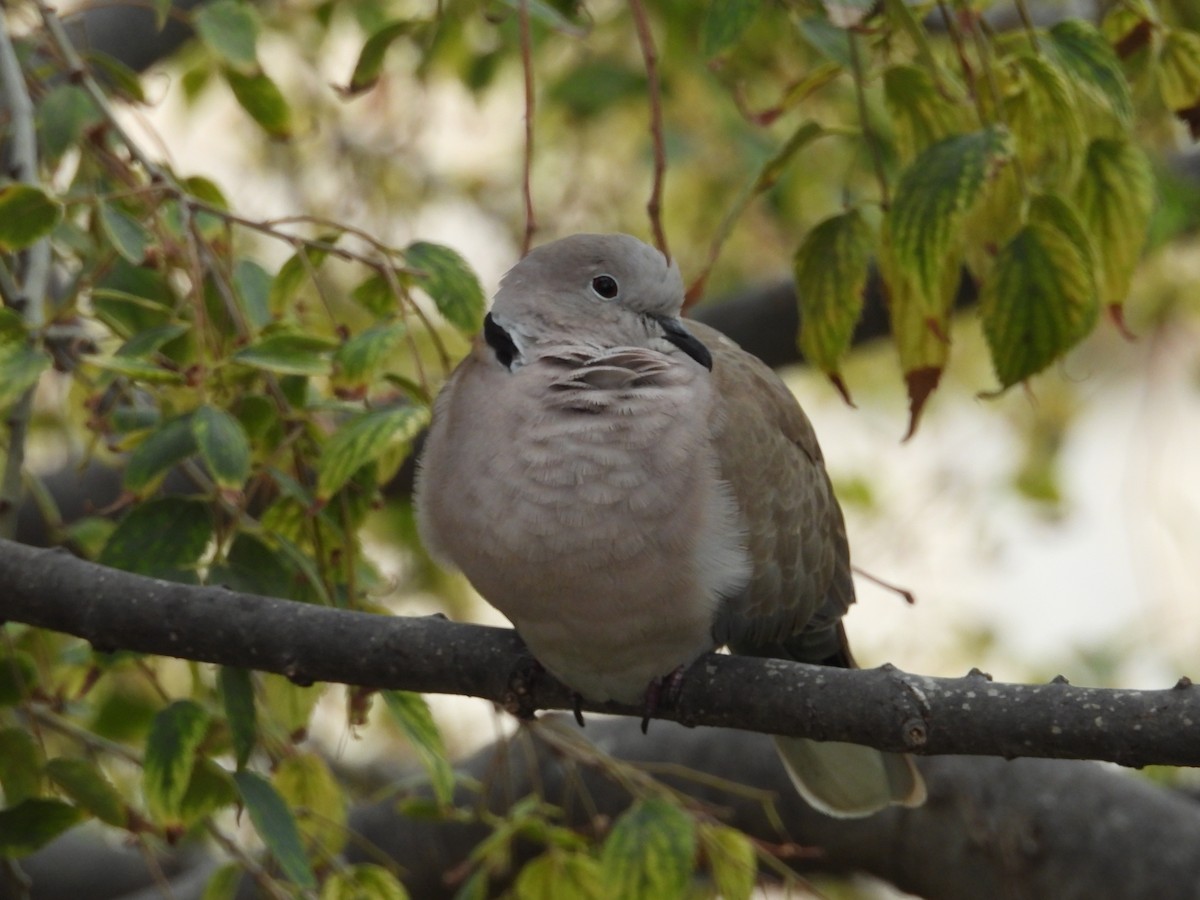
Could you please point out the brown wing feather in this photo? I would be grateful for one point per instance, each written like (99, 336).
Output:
(801, 584)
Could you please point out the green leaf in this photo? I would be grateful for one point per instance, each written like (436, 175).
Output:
(253, 566)
(556, 875)
(209, 789)
(163, 449)
(33, 823)
(362, 440)
(311, 792)
(230, 29)
(18, 675)
(299, 267)
(27, 214)
(920, 326)
(223, 446)
(252, 284)
(374, 51)
(83, 782)
(1040, 298)
(288, 352)
(363, 882)
(831, 272)
(125, 233)
(162, 538)
(921, 113)
(446, 277)
(21, 364)
(63, 115)
(1179, 69)
(261, 98)
(934, 194)
(650, 852)
(237, 696)
(138, 369)
(1115, 197)
(724, 22)
(831, 42)
(275, 825)
(287, 704)
(359, 360)
(116, 76)
(20, 765)
(1040, 94)
(151, 340)
(1082, 52)
(411, 713)
(224, 882)
(375, 295)
(170, 757)
(732, 861)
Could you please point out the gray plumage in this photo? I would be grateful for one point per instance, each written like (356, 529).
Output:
(632, 491)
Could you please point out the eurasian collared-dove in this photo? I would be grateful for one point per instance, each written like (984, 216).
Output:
(632, 491)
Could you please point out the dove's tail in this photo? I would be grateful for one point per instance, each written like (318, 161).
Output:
(849, 780)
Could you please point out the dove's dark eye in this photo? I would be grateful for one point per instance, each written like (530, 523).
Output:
(605, 286)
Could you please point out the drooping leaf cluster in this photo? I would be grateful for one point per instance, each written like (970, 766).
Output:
(260, 382)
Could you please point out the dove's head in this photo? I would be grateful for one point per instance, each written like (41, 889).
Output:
(602, 290)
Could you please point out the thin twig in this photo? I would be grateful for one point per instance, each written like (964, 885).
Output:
(527, 183)
(650, 55)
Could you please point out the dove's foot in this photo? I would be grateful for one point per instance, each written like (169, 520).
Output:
(666, 687)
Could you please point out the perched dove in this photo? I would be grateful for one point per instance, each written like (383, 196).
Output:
(633, 491)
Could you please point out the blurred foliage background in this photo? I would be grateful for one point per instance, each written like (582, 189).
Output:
(239, 276)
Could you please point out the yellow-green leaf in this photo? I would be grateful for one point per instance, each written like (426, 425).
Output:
(831, 271)
(449, 281)
(1040, 297)
(32, 823)
(724, 23)
(732, 861)
(237, 696)
(921, 113)
(230, 29)
(289, 353)
(171, 756)
(1085, 55)
(1042, 112)
(223, 883)
(360, 359)
(287, 704)
(556, 875)
(411, 713)
(27, 214)
(1179, 69)
(20, 765)
(21, 363)
(362, 440)
(209, 789)
(18, 676)
(259, 96)
(84, 783)
(374, 51)
(276, 826)
(223, 446)
(920, 328)
(1115, 198)
(363, 882)
(650, 852)
(125, 233)
(934, 194)
(311, 792)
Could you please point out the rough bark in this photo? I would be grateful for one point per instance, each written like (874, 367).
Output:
(881, 707)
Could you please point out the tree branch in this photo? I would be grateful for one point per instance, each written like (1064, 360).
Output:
(881, 707)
